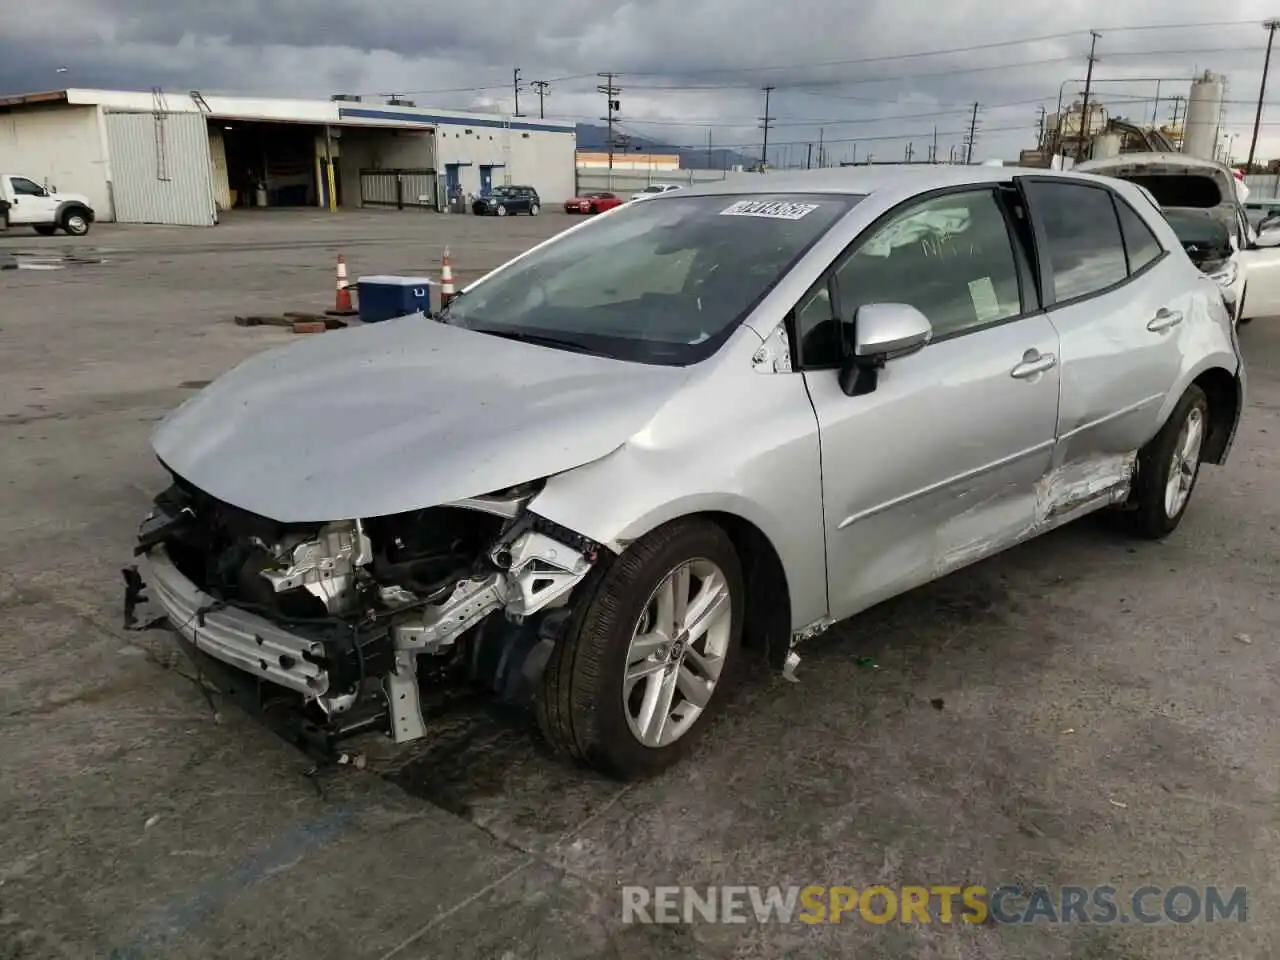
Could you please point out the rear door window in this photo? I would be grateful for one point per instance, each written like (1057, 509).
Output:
(1085, 249)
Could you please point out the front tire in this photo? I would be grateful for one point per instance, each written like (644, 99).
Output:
(534, 210)
(1169, 466)
(75, 223)
(647, 655)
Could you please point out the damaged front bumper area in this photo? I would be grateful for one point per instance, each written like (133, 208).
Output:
(335, 629)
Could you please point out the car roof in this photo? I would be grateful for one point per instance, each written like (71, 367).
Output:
(864, 180)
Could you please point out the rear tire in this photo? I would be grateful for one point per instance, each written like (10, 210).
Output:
(502, 210)
(1169, 466)
(589, 709)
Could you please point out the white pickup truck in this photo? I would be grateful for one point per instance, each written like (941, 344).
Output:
(23, 202)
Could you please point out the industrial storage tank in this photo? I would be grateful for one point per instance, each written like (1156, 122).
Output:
(1106, 146)
(1200, 137)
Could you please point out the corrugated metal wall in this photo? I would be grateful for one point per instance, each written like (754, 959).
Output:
(160, 168)
(221, 181)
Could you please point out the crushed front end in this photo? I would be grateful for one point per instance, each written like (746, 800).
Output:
(333, 629)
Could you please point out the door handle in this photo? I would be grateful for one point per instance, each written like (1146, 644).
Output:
(1164, 320)
(1031, 365)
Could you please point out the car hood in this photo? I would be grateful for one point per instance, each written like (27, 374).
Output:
(402, 415)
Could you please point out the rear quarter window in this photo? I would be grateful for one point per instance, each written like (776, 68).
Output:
(1140, 245)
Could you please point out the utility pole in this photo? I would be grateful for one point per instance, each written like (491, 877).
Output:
(764, 125)
(933, 150)
(1088, 83)
(515, 85)
(808, 160)
(708, 148)
(542, 87)
(1041, 122)
(614, 106)
(822, 150)
(908, 151)
(1270, 26)
(973, 132)
(1176, 133)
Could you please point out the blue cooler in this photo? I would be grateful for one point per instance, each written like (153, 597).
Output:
(384, 298)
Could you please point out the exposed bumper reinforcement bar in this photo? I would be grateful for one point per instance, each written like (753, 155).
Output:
(240, 639)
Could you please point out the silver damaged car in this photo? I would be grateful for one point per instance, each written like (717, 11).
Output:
(687, 431)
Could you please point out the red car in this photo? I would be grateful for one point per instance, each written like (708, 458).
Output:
(593, 203)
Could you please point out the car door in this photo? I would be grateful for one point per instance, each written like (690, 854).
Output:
(1117, 298)
(31, 202)
(1260, 265)
(938, 466)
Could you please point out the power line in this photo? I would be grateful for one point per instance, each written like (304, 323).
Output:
(891, 58)
(800, 85)
(971, 48)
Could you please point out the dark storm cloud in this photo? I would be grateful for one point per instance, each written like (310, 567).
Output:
(719, 54)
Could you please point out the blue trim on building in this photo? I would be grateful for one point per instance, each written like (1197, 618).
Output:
(356, 113)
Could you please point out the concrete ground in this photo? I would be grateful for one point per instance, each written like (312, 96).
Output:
(1082, 710)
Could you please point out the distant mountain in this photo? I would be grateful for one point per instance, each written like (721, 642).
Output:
(596, 137)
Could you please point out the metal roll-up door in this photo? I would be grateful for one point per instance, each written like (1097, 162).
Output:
(160, 168)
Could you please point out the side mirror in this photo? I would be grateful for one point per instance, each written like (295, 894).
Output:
(1269, 236)
(882, 332)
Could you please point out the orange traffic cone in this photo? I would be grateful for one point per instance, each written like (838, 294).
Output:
(342, 301)
(446, 280)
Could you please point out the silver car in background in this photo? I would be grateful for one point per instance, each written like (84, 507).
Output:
(711, 423)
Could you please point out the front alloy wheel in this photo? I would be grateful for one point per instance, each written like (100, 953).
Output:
(648, 652)
(677, 653)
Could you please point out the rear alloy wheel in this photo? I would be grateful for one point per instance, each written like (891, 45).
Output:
(533, 210)
(502, 210)
(1169, 466)
(648, 653)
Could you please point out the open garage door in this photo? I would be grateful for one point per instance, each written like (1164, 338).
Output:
(160, 168)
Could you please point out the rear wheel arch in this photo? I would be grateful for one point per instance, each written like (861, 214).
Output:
(1222, 390)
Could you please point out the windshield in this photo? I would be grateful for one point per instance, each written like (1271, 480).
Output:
(653, 189)
(662, 283)
(1198, 229)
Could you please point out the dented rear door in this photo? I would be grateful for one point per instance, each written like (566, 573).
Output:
(1121, 304)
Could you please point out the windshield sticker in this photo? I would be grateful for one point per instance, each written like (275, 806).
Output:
(770, 209)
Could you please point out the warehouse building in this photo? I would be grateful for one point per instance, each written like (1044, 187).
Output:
(163, 158)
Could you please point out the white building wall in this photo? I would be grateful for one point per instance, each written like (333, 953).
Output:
(58, 145)
(524, 150)
(536, 158)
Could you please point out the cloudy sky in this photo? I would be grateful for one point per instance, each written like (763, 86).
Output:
(874, 81)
